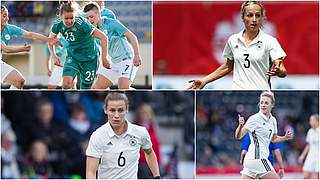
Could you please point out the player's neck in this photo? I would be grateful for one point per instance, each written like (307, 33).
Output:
(121, 129)
(250, 35)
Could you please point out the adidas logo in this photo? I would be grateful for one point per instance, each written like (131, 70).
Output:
(110, 143)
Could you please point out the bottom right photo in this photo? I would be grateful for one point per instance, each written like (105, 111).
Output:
(257, 134)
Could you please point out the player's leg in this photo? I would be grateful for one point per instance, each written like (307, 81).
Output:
(105, 77)
(12, 76)
(56, 78)
(70, 71)
(88, 73)
(271, 175)
(101, 82)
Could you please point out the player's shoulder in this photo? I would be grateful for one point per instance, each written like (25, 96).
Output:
(12, 26)
(79, 20)
(233, 37)
(138, 130)
(255, 116)
(267, 37)
(99, 131)
(57, 21)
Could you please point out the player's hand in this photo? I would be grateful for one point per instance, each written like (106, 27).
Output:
(56, 61)
(26, 47)
(281, 173)
(49, 72)
(196, 84)
(300, 159)
(106, 63)
(288, 135)
(54, 42)
(275, 69)
(137, 60)
(241, 120)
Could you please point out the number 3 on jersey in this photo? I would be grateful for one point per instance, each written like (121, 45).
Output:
(121, 160)
(247, 64)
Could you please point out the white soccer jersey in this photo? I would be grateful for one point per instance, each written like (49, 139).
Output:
(253, 61)
(261, 131)
(312, 161)
(119, 155)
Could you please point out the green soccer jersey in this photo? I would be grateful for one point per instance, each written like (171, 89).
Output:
(79, 36)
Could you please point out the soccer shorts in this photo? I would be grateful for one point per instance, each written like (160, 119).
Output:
(5, 70)
(122, 69)
(56, 76)
(85, 69)
(311, 164)
(256, 168)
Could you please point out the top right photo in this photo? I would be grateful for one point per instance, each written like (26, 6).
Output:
(249, 45)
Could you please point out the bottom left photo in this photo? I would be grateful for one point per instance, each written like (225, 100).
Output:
(106, 135)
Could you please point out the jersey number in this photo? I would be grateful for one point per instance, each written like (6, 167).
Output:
(69, 36)
(121, 160)
(270, 133)
(127, 66)
(90, 75)
(248, 61)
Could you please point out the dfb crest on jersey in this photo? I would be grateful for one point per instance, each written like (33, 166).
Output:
(105, 31)
(74, 29)
(7, 37)
(132, 141)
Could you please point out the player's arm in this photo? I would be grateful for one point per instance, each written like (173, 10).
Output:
(278, 139)
(242, 155)
(133, 40)
(13, 49)
(278, 69)
(152, 162)
(240, 131)
(48, 65)
(104, 46)
(304, 153)
(278, 156)
(223, 70)
(52, 50)
(91, 167)
(37, 36)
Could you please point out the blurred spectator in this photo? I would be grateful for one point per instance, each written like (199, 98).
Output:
(36, 164)
(144, 116)
(9, 166)
(54, 135)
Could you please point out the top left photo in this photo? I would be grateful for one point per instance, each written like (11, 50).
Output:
(76, 45)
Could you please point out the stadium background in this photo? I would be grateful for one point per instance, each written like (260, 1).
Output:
(191, 42)
(218, 152)
(38, 16)
(32, 119)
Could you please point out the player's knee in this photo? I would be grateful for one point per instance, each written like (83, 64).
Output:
(19, 82)
(67, 84)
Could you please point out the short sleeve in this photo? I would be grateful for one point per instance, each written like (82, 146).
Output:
(251, 124)
(275, 50)
(108, 13)
(308, 138)
(118, 27)
(227, 51)
(275, 126)
(94, 148)
(54, 28)
(146, 140)
(275, 146)
(86, 26)
(16, 31)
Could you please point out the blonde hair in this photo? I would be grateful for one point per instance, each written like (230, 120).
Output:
(268, 94)
(315, 116)
(247, 3)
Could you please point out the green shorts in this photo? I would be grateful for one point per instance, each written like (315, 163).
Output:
(86, 70)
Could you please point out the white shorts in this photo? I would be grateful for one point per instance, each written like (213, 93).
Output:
(56, 76)
(256, 168)
(122, 69)
(5, 70)
(311, 164)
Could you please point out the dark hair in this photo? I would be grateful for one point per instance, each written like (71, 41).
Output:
(67, 6)
(43, 101)
(247, 3)
(91, 6)
(116, 96)
(3, 8)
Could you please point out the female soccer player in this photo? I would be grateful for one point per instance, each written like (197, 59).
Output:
(82, 58)
(311, 150)
(253, 55)
(123, 49)
(114, 148)
(8, 73)
(262, 127)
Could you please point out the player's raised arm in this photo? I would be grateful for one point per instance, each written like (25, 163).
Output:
(240, 131)
(152, 162)
(12, 49)
(223, 70)
(133, 40)
(91, 167)
(286, 137)
(104, 45)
